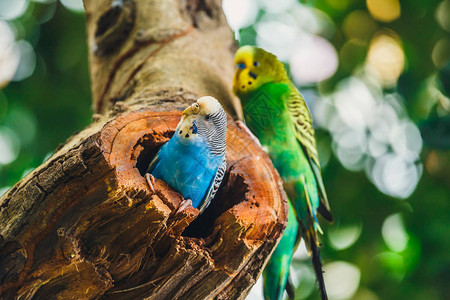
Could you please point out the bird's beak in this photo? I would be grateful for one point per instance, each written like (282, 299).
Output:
(191, 110)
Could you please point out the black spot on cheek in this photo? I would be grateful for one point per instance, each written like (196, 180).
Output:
(187, 135)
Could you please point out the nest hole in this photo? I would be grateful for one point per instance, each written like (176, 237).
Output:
(150, 144)
(232, 191)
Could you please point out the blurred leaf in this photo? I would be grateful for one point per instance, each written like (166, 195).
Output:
(436, 132)
(444, 79)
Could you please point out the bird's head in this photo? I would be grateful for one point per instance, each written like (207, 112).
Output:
(255, 67)
(204, 118)
(205, 107)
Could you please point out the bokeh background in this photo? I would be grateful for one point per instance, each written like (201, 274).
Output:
(376, 77)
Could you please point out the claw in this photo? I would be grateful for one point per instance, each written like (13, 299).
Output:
(150, 181)
(184, 204)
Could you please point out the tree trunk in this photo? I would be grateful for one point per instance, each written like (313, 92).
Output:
(85, 225)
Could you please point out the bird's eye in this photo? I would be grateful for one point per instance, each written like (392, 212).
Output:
(256, 63)
(241, 66)
(196, 105)
(207, 117)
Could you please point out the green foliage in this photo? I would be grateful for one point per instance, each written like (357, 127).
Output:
(43, 110)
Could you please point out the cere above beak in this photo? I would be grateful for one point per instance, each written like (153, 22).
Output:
(192, 110)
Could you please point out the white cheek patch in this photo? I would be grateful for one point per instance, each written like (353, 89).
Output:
(187, 128)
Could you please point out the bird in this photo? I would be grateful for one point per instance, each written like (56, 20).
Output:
(276, 113)
(193, 161)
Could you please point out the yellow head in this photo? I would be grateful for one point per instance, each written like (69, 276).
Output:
(256, 67)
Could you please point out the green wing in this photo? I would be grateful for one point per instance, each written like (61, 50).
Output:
(304, 132)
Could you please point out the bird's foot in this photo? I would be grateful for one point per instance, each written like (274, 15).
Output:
(150, 181)
(183, 205)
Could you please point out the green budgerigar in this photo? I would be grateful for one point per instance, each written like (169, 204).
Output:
(277, 114)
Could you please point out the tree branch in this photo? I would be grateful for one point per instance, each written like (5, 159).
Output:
(85, 225)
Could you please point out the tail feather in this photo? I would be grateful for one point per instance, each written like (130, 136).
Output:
(290, 289)
(317, 264)
(312, 244)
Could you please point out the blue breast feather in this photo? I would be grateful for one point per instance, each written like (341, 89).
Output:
(187, 166)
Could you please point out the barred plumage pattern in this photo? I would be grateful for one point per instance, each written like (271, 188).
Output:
(216, 184)
(216, 139)
(304, 132)
(301, 119)
(216, 135)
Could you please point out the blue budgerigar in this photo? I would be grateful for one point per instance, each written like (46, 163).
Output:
(193, 161)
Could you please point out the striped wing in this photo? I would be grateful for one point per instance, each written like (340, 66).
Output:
(215, 184)
(304, 132)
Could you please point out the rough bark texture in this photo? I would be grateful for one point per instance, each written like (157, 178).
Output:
(85, 225)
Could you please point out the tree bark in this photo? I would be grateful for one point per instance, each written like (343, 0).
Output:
(85, 225)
